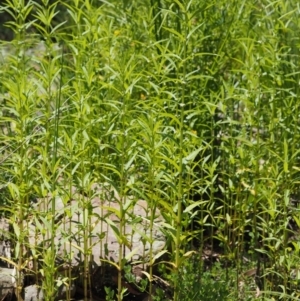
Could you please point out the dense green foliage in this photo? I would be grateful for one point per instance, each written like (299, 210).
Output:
(190, 105)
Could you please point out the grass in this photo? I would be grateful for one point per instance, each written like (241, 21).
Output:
(191, 106)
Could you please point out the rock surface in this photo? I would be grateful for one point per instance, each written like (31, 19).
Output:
(6, 281)
(35, 293)
(98, 219)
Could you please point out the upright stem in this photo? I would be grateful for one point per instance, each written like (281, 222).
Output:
(181, 90)
(22, 198)
(122, 212)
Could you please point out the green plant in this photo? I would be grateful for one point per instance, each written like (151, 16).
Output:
(196, 284)
(189, 105)
(109, 294)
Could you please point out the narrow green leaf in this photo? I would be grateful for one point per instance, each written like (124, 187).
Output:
(189, 208)
(129, 163)
(175, 32)
(16, 230)
(158, 255)
(115, 229)
(131, 254)
(191, 156)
